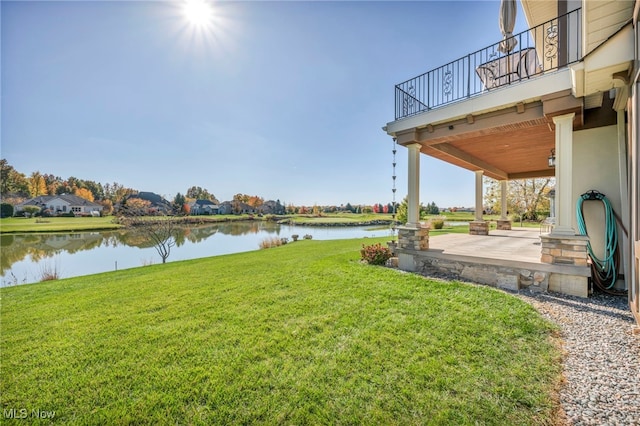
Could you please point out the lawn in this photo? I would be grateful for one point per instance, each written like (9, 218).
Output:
(74, 224)
(299, 334)
(338, 218)
(52, 224)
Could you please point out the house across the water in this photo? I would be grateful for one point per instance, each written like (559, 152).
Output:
(61, 204)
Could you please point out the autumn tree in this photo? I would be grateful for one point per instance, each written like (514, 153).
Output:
(84, 193)
(136, 206)
(527, 197)
(107, 206)
(198, 193)
(255, 201)
(64, 187)
(12, 181)
(117, 192)
(37, 185)
(52, 182)
(243, 198)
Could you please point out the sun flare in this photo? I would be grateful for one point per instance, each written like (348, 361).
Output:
(198, 12)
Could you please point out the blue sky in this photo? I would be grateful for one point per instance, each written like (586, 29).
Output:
(285, 100)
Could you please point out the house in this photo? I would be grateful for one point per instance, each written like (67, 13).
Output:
(60, 204)
(563, 102)
(207, 207)
(272, 207)
(157, 203)
(235, 207)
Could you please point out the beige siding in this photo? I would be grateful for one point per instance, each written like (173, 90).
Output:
(537, 12)
(595, 166)
(602, 19)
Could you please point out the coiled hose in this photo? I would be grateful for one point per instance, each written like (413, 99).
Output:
(604, 272)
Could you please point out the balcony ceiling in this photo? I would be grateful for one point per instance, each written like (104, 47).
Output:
(520, 153)
(511, 144)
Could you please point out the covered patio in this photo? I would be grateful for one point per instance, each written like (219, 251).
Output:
(508, 259)
(562, 117)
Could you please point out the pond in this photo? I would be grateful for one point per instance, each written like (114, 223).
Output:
(25, 258)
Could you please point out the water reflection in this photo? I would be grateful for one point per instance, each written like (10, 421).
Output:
(81, 253)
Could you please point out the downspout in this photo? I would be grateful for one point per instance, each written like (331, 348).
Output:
(623, 183)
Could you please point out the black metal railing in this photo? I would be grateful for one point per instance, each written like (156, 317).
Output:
(539, 50)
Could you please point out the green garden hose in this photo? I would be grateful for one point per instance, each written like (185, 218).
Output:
(604, 271)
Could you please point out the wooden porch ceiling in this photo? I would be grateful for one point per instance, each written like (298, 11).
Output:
(513, 143)
(514, 154)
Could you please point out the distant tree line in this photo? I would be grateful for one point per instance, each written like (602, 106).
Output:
(16, 187)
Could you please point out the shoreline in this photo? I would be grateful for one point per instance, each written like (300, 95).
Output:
(49, 225)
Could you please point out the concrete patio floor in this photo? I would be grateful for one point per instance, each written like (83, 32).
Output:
(506, 259)
(518, 244)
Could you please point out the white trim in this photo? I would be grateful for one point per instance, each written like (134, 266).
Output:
(413, 199)
(503, 200)
(564, 179)
(479, 204)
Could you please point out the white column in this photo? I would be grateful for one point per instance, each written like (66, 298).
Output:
(413, 211)
(503, 200)
(565, 205)
(479, 203)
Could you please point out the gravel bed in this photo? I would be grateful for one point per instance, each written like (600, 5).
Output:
(601, 357)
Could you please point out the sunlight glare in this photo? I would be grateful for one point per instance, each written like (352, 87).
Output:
(198, 12)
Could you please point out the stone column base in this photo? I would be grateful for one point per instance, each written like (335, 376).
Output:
(564, 249)
(413, 238)
(504, 225)
(393, 246)
(479, 227)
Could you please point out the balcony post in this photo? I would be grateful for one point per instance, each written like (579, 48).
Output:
(479, 226)
(413, 199)
(504, 223)
(412, 236)
(564, 180)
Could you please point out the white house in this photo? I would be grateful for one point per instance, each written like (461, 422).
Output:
(58, 204)
(563, 102)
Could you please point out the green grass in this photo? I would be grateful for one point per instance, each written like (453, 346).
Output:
(52, 224)
(339, 218)
(73, 224)
(299, 334)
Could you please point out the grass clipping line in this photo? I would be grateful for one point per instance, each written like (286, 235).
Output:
(303, 334)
